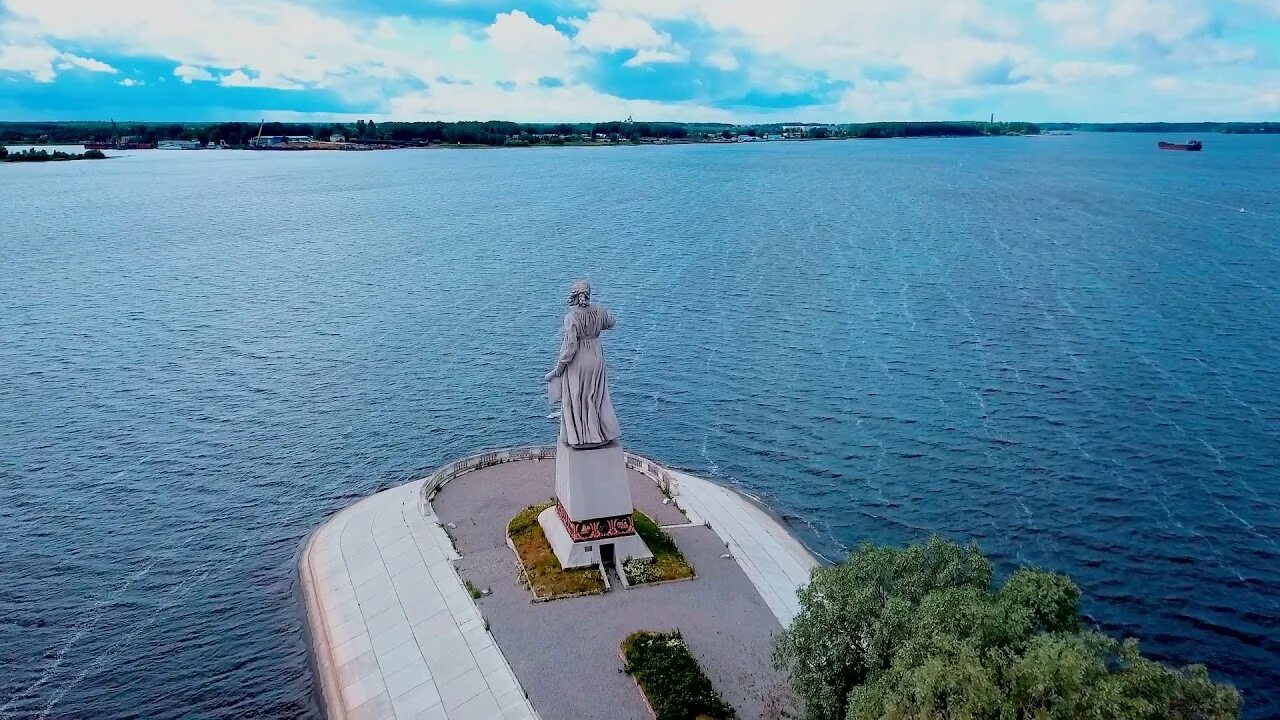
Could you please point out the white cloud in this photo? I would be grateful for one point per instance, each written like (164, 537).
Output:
(189, 73)
(571, 102)
(949, 43)
(274, 38)
(42, 62)
(238, 78)
(1167, 83)
(130, 82)
(1072, 71)
(35, 60)
(75, 61)
(1165, 31)
(722, 60)
(533, 50)
(649, 57)
(610, 31)
(385, 29)
(869, 59)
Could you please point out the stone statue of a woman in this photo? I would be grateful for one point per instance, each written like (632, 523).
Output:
(587, 419)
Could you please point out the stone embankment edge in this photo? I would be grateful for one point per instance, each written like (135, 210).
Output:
(321, 648)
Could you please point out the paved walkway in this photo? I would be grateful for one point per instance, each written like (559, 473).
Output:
(775, 562)
(396, 635)
(395, 632)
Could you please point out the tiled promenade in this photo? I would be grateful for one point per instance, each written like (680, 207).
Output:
(396, 635)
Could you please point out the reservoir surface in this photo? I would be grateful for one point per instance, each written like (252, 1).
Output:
(1063, 349)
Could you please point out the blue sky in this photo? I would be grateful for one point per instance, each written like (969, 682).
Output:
(721, 60)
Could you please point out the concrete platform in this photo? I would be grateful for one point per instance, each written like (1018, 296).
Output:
(395, 633)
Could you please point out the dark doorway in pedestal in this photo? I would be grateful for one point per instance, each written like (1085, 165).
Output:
(606, 554)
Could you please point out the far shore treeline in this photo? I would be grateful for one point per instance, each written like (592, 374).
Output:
(34, 155)
(501, 133)
(490, 133)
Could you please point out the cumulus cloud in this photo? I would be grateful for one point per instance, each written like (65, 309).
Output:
(722, 60)
(239, 78)
(649, 57)
(41, 62)
(1177, 31)
(610, 31)
(272, 37)
(189, 73)
(130, 82)
(827, 59)
(533, 49)
(564, 103)
(75, 61)
(34, 60)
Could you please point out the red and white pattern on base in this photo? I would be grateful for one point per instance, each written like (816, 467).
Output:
(596, 529)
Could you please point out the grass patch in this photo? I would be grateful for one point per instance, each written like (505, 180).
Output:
(542, 569)
(475, 591)
(671, 679)
(668, 563)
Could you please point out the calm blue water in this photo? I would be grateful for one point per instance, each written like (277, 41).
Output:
(1064, 349)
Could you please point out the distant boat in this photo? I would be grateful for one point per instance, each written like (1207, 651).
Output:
(178, 145)
(98, 146)
(1190, 146)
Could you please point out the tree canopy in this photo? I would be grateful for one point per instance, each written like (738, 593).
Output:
(922, 634)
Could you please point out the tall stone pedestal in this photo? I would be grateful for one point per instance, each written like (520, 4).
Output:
(592, 518)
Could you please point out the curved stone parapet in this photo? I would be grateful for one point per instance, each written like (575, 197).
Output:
(666, 479)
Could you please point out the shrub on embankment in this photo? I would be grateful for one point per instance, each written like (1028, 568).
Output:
(922, 633)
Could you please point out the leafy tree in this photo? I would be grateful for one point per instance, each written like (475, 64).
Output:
(921, 634)
(4, 152)
(360, 128)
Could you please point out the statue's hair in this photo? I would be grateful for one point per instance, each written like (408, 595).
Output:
(580, 293)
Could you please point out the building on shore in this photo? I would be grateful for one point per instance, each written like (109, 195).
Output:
(278, 140)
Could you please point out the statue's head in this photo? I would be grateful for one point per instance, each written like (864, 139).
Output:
(580, 294)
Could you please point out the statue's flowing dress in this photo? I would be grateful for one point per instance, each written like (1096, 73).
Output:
(586, 413)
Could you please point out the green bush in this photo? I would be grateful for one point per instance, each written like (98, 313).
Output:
(668, 563)
(920, 633)
(640, 570)
(670, 677)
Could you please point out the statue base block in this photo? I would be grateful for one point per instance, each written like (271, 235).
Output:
(584, 543)
(592, 483)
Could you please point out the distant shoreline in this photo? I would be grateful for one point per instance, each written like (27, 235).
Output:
(369, 135)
